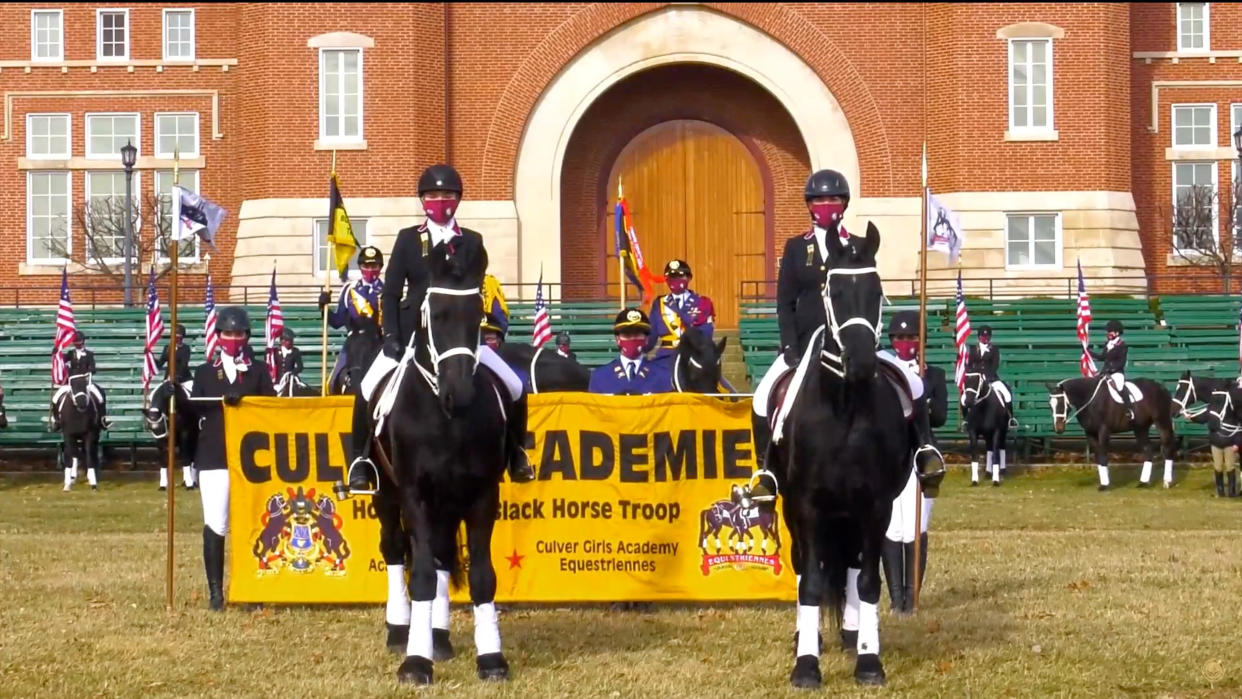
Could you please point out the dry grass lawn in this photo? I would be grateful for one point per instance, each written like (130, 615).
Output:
(1043, 587)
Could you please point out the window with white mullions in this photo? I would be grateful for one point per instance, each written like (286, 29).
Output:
(178, 35)
(47, 136)
(47, 35)
(104, 214)
(1030, 84)
(112, 34)
(1194, 126)
(106, 133)
(1195, 206)
(176, 134)
(48, 226)
(1032, 240)
(1193, 26)
(340, 94)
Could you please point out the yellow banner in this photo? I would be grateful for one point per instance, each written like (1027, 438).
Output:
(638, 498)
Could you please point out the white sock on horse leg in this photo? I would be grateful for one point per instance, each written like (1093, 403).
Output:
(1168, 470)
(1003, 454)
(849, 618)
(75, 468)
(440, 605)
(1103, 471)
(420, 630)
(398, 610)
(1146, 475)
(486, 629)
(163, 476)
(996, 473)
(974, 471)
(808, 630)
(989, 455)
(90, 476)
(868, 628)
(68, 478)
(187, 475)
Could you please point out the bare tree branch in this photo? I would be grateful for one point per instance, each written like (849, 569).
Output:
(102, 224)
(1193, 227)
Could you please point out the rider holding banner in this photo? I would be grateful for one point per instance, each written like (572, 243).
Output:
(358, 309)
(681, 308)
(1114, 358)
(78, 361)
(984, 358)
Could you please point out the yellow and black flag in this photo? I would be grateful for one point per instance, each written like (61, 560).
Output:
(340, 230)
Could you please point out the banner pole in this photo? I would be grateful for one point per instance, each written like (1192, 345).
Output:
(923, 245)
(327, 287)
(620, 258)
(174, 243)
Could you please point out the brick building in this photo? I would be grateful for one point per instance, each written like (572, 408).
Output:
(1058, 132)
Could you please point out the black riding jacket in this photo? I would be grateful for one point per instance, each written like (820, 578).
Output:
(79, 365)
(182, 372)
(800, 290)
(986, 363)
(211, 381)
(1114, 359)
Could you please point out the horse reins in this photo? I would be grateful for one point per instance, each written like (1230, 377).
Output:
(431, 376)
(836, 327)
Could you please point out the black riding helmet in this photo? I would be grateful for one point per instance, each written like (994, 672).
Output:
(903, 323)
(233, 319)
(439, 177)
(180, 330)
(677, 268)
(371, 255)
(79, 337)
(631, 319)
(1115, 326)
(287, 334)
(562, 338)
(985, 332)
(827, 183)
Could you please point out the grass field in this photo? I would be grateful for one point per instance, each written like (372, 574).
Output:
(1043, 587)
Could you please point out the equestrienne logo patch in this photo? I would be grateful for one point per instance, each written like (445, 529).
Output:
(740, 548)
(300, 534)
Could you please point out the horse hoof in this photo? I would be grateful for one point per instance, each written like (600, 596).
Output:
(492, 667)
(398, 637)
(995, 484)
(805, 674)
(414, 670)
(1168, 484)
(94, 488)
(849, 640)
(441, 646)
(163, 488)
(869, 670)
(1102, 488)
(1144, 484)
(974, 484)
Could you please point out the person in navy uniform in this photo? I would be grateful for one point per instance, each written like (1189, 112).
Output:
(405, 287)
(1114, 358)
(494, 328)
(681, 308)
(288, 364)
(563, 346)
(631, 374)
(181, 373)
(80, 360)
(230, 377)
(984, 358)
(358, 310)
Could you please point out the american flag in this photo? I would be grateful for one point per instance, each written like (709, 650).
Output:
(542, 330)
(209, 326)
(1086, 364)
(65, 330)
(155, 332)
(275, 325)
(963, 335)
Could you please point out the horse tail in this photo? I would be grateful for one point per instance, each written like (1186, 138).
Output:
(838, 552)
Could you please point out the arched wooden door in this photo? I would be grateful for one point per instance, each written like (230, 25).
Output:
(696, 194)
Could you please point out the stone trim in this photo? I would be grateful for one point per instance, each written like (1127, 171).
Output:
(1156, 85)
(1030, 30)
(144, 163)
(10, 96)
(340, 40)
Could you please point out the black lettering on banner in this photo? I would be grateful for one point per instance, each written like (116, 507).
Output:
(594, 469)
(633, 453)
(301, 464)
(557, 457)
(364, 510)
(251, 443)
(325, 472)
(733, 440)
(709, 454)
(673, 459)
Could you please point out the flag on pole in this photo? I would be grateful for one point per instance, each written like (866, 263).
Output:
(627, 248)
(195, 215)
(210, 337)
(275, 326)
(155, 332)
(962, 335)
(66, 328)
(542, 330)
(1086, 365)
(944, 229)
(340, 231)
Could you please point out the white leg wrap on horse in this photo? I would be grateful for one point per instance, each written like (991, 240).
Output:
(759, 402)
(213, 488)
(74, 468)
(849, 618)
(1103, 474)
(163, 476)
(974, 471)
(486, 629)
(1003, 454)
(996, 469)
(1146, 475)
(808, 630)
(68, 479)
(90, 476)
(440, 605)
(420, 630)
(989, 455)
(491, 360)
(1168, 470)
(398, 611)
(868, 628)
(187, 475)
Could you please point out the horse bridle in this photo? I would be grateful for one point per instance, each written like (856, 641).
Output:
(431, 376)
(86, 392)
(835, 326)
(982, 379)
(1192, 395)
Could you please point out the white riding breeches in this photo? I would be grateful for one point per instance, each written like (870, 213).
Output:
(490, 359)
(901, 523)
(1003, 391)
(1119, 381)
(213, 485)
(907, 368)
(759, 403)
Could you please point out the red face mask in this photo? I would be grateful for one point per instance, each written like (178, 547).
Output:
(906, 349)
(492, 341)
(677, 284)
(231, 346)
(287, 344)
(440, 210)
(827, 215)
(632, 348)
(370, 275)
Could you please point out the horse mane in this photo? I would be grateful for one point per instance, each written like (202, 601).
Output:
(696, 341)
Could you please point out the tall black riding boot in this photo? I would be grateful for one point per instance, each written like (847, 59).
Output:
(515, 441)
(922, 558)
(213, 562)
(907, 554)
(763, 437)
(361, 474)
(1128, 402)
(1220, 484)
(894, 573)
(927, 458)
(1233, 483)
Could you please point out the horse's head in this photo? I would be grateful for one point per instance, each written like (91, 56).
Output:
(275, 504)
(697, 367)
(79, 385)
(156, 414)
(1058, 400)
(853, 299)
(974, 388)
(326, 506)
(452, 311)
(1184, 394)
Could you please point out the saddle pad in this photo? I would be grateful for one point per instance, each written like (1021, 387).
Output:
(777, 398)
(1135, 394)
(810, 355)
(898, 381)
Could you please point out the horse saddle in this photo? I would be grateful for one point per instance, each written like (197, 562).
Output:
(899, 383)
(777, 397)
(1135, 394)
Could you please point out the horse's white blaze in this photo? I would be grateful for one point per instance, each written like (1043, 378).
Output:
(868, 628)
(849, 618)
(1168, 471)
(974, 471)
(486, 629)
(808, 630)
(440, 605)
(1103, 470)
(1146, 475)
(163, 476)
(420, 630)
(397, 612)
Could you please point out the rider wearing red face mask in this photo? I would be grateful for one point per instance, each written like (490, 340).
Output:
(631, 373)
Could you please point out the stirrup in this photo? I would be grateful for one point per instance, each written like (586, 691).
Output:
(343, 491)
(934, 450)
(763, 499)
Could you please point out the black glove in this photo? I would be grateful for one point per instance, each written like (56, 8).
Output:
(232, 398)
(324, 300)
(393, 347)
(792, 357)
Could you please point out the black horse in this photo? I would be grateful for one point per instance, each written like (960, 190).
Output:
(156, 418)
(1200, 389)
(549, 371)
(845, 456)
(696, 366)
(4, 416)
(79, 428)
(1101, 416)
(986, 418)
(447, 440)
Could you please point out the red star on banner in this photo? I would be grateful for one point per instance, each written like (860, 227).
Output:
(515, 561)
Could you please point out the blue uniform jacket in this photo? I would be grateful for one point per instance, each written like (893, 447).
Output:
(650, 378)
(661, 333)
(347, 312)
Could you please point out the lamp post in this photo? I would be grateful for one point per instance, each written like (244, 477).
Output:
(129, 156)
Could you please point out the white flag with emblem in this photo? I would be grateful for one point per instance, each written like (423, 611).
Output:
(944, 229)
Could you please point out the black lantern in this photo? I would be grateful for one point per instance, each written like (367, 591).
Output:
(129, 156)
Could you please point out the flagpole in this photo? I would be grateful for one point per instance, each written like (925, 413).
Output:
(174, 248)
(918, 485)
(620, 259)
(327, 287)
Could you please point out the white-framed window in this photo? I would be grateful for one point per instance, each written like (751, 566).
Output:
(177, 130)
(112, 35)
(188, 251)
(1032, 240)
(340, 94)
(47, 137)
(324, 263)
(48, 216)
(106, 133)
(1195, 205)
(1194, 126)
(47, 35)
(178, 35)
(104, 216)
(1030, 84)
(1193, 26)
